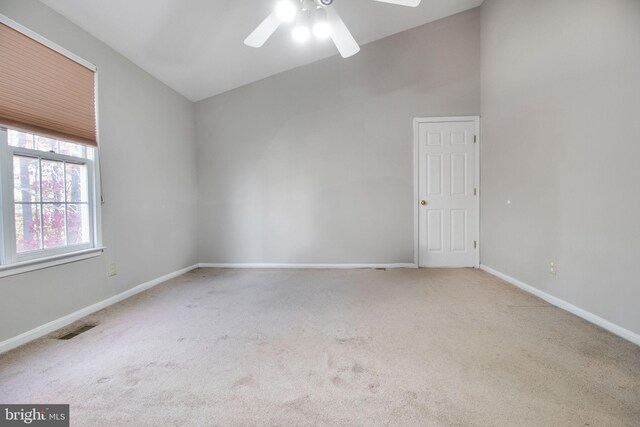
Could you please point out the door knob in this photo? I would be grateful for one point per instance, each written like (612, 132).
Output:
(424, 203)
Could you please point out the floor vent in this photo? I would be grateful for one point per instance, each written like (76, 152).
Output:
(77, 332)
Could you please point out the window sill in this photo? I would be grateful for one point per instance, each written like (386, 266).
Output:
(52, 261)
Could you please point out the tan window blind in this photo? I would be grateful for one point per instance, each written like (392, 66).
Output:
(43, 91)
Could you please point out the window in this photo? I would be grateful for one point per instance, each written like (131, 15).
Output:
(48, 153)
(48, 197)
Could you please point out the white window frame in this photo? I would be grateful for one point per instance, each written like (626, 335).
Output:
(12, 262)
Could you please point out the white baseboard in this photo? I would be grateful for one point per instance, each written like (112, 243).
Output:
(305, 266)
(47, 328)
(54, 325)
(586, 315)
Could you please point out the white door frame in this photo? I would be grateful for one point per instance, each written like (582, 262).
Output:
(416, 179)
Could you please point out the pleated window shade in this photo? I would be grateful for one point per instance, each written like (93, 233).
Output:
(43, 91)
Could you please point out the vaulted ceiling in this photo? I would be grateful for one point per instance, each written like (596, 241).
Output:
(196, 46)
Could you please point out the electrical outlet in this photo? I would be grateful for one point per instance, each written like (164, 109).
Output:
(553, 268)
(113, 269)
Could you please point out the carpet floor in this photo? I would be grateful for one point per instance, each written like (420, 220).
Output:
(332, 347)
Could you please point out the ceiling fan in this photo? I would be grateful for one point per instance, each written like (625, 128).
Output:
(317, 17)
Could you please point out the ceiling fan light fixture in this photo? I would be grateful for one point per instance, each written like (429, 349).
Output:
(286, 10)
(326, 23)
(322, 30)
(301, 33)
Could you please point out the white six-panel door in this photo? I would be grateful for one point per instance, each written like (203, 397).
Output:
(447, 193)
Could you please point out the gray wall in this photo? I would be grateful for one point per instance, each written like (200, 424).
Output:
(315, 165)
(147, 144)
(561, 127)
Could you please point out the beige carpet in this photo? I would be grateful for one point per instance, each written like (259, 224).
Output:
(326, 347)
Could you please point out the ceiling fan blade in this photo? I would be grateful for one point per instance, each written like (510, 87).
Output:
(262, 33)
(342, 38)
(412, 3)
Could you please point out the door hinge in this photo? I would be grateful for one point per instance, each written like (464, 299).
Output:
(475, 139)
(475, 191)
(475, 244)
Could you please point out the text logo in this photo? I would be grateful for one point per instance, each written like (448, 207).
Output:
(34, 415)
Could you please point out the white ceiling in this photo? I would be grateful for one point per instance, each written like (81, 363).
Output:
(196, 46)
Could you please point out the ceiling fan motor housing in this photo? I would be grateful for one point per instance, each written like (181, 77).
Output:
(325, 3)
